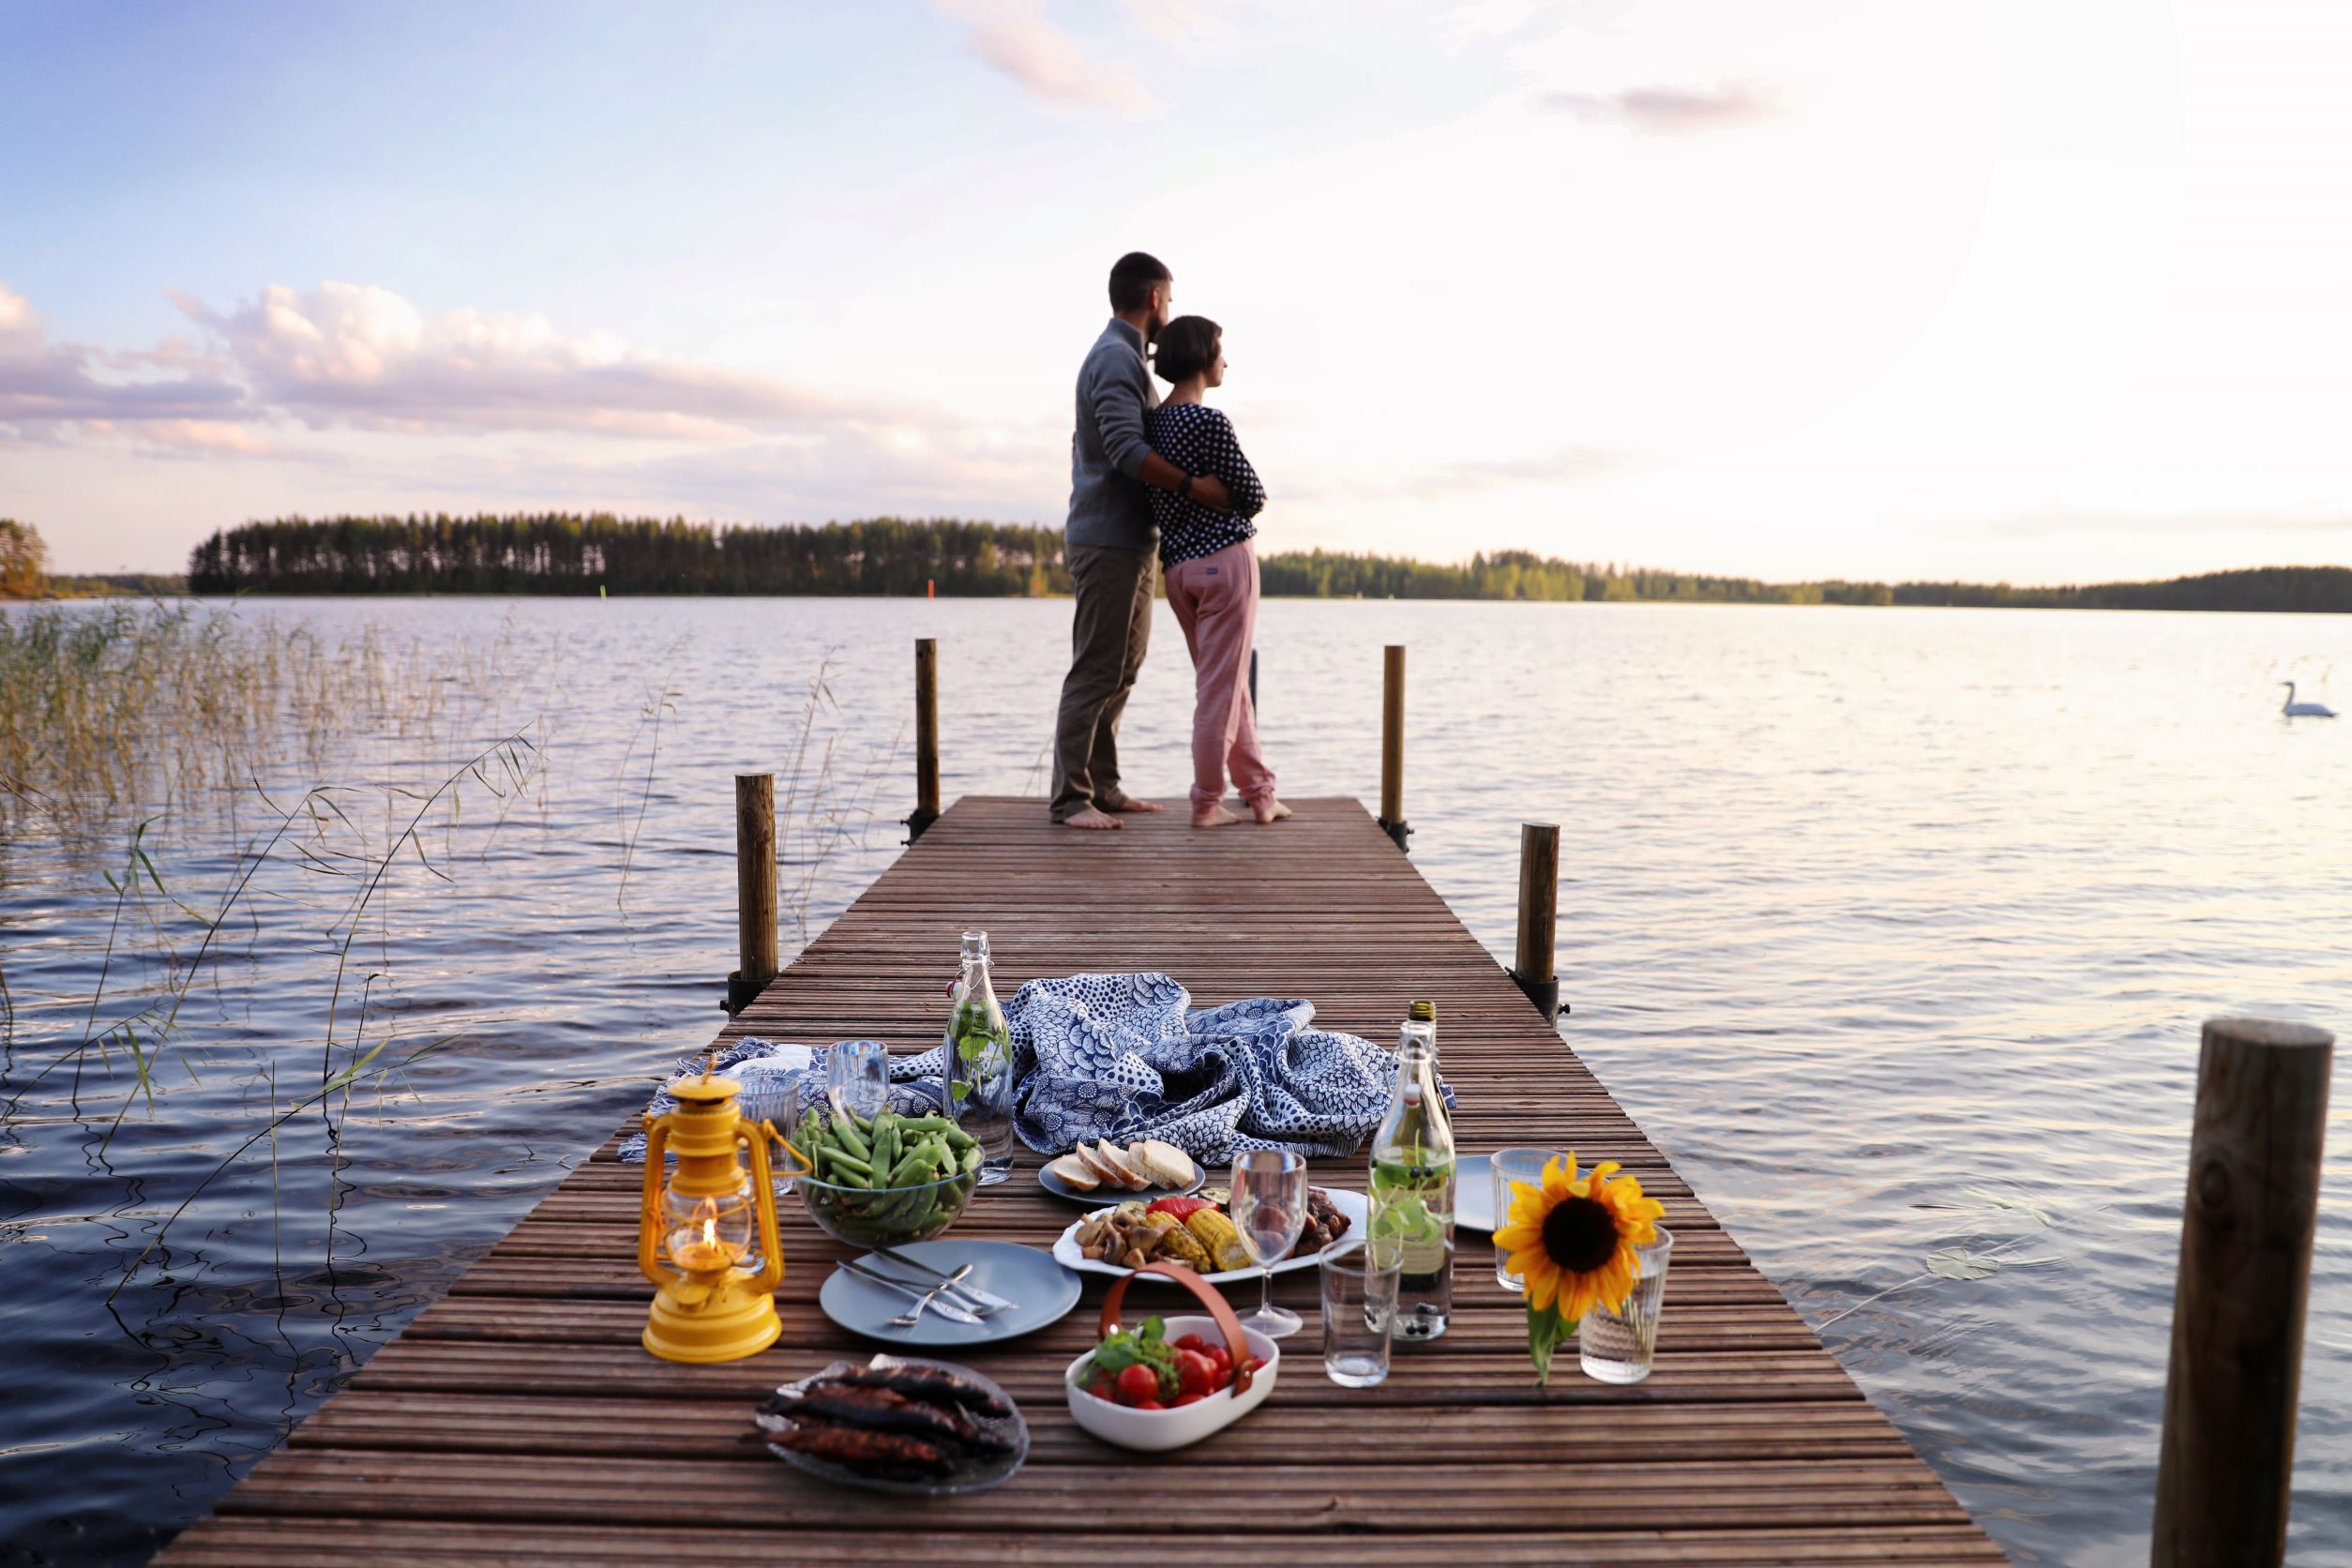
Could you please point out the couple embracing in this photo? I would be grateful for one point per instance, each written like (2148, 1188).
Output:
(1157, 484)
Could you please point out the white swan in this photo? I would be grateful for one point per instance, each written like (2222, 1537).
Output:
(2303, 710)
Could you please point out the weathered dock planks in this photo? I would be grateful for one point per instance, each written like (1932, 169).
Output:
(518, 1421)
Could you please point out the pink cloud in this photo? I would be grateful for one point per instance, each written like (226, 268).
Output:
(1671, 110)
(1014, 37)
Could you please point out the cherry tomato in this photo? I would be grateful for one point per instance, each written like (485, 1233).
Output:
(1103, 1388)
(1222, 1359)
(1138, 1384)
(1189, 1399)
(1196, 1372)
(1189, 1342)
(1146, 1405)
(1257, 1362)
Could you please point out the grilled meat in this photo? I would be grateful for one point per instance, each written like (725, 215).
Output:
(928, 1382)
(878, 1410)
(882, 1453)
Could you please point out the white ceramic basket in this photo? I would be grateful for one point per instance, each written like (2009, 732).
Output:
(1156, 1431)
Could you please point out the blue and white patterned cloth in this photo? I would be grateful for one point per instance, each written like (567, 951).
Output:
(1124, 1057)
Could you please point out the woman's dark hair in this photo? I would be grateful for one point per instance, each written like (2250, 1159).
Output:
(1132, 276)
(1188, 345)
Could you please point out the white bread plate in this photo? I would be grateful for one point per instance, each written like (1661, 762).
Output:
(1066, 1249)
(1156, 1431)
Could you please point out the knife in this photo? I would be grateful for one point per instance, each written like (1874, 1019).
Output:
(983, 1300)
(944, 1305)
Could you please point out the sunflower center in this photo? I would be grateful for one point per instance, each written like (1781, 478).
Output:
(1581, 1234)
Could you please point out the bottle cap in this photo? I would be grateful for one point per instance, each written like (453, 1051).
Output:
(1422, 1011)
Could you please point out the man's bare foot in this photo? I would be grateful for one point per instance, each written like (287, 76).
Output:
(1217, 816)
(1267, 810)
(1129, 803)
(1092, 821)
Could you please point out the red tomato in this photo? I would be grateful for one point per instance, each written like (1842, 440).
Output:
(1222, 1359)
(1138, 1383)
(1189, 1399)
(1257, 1362)
(1103, 1388)
(1196, 1372)
(1146, 1405)
(1189, 1342)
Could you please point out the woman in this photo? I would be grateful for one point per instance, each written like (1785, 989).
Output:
(1212, 571)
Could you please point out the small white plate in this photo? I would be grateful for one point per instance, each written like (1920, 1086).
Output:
(1352, 1204)
(1474, 1192)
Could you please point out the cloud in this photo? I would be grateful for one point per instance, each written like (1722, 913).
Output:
(1671, 110)
(359, 355)
(1015, 37)
(44, 386)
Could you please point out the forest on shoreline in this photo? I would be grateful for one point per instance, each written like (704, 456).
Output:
(568, 555)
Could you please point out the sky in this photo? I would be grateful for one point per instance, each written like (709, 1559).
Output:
(2050, 290)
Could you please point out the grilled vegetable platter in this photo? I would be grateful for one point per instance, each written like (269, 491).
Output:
(897, 1423)
(1197, 1232)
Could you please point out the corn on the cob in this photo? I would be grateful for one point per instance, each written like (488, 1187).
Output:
(1182, 1245)
(1216, 1233)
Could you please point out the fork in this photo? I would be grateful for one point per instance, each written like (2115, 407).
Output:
(914, 1315)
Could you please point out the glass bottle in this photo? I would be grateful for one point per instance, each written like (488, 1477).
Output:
(980, 1063)
(1412, 1181)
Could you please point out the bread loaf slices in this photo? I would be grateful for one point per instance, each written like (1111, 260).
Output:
(1115, 1161)
(1076, 1174)
(1104, 1175)
(1164, 1163)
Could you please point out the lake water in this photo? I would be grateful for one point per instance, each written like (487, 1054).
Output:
(1894, 927)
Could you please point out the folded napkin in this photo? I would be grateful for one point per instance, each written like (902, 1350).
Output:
(1124, 1057)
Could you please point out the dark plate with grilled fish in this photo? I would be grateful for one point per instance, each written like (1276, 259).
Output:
(897, 1423)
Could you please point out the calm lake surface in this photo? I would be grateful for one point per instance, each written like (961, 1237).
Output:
(1894, 927)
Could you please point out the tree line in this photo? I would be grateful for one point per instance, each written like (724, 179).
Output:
(564, 553)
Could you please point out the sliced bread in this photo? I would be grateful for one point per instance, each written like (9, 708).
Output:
(1164, 1163)
(1076, 1174)
(1115, 1161)
(1104, 1175)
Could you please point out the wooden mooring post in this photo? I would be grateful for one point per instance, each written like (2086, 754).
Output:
(1392, 745)
(755, 889)
(1539, 916)
(2238, 1305)
(926, 737)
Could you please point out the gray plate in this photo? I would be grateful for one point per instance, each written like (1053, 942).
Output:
(1474, 1192)
(1042, 1291)
(1103, 1197)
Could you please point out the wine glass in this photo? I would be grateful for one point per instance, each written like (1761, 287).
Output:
(1269, 1209)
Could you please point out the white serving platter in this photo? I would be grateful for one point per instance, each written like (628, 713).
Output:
(1352, 1204)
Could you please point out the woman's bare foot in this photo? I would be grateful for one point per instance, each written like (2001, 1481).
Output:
(1267, 810)
(1129, 803)
(1091, 820)
(1217, 816)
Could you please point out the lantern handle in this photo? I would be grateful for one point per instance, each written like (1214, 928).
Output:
(754, 1135)
(649, 1216)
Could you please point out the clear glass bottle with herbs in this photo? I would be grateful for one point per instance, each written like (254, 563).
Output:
(980, 1063)
(1412, 1181)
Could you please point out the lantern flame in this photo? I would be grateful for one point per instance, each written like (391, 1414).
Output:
(707, 1212)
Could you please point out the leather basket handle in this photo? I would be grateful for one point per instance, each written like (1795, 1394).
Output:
(1236, 1342)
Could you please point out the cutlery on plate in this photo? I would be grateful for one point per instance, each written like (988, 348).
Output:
(982, 1301)
(914, 1315)
(947, 1307)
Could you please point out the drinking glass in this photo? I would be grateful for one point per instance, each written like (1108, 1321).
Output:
(857, 1076)
(1359, 1308)
(1525, 1166)
(1617, 1347)
(1269, 1209)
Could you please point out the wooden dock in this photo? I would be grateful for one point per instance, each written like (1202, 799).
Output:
(518, 1420)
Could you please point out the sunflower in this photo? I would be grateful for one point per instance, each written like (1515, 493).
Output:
(1572, 1238)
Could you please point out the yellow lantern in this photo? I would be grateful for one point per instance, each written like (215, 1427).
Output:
(700, 1223)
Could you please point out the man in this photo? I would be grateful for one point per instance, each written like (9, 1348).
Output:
(1110, 546)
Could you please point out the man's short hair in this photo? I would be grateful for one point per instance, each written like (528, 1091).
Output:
(1188, 345)
(1132, 276)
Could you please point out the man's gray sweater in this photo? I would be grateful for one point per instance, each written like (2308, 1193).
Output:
(1108, 503)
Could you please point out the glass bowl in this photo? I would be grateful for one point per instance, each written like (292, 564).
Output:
(867, 1218)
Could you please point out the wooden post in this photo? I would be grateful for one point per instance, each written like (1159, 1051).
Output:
(1392, 745)
(755, 889)
(1539, 914)
(2238, 1305)
(926, 737)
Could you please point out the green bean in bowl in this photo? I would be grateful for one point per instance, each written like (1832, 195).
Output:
(888, 1179)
